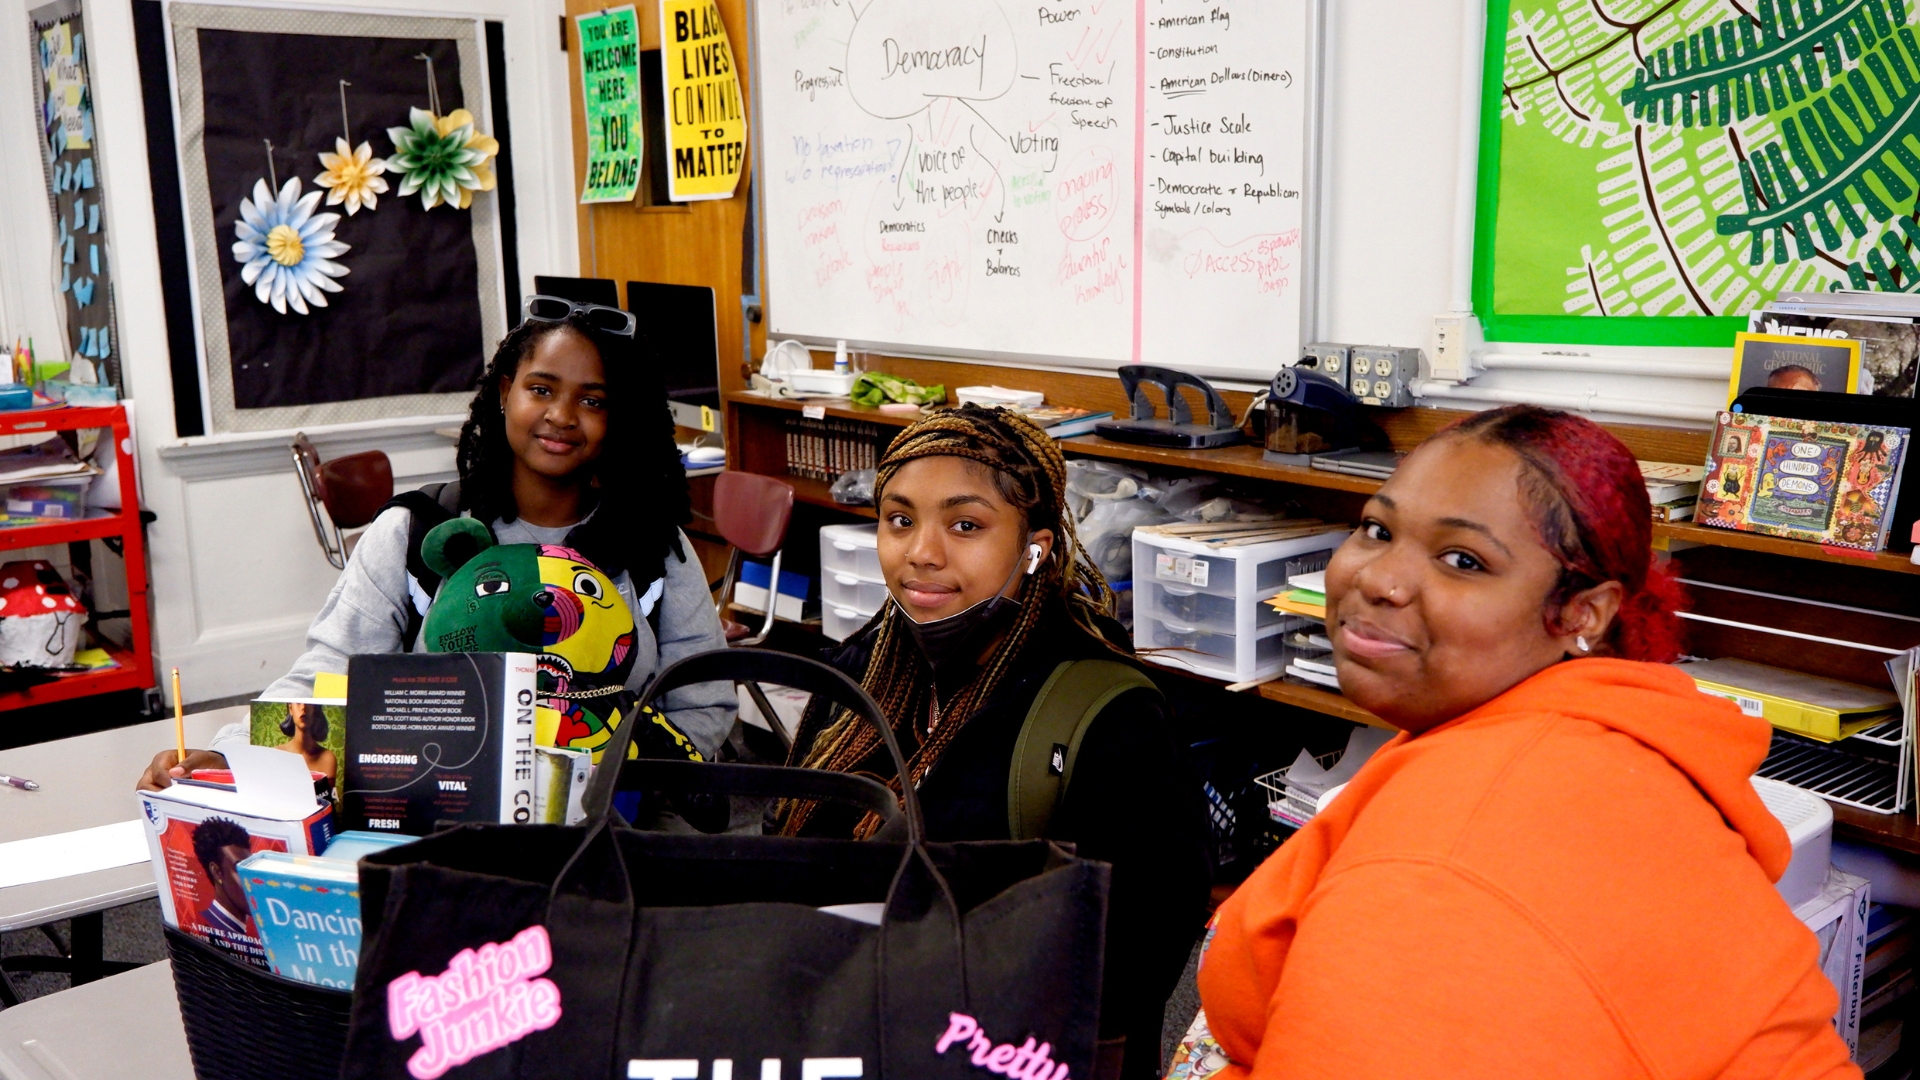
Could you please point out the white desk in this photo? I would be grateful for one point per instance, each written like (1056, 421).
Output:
(125, 1025)
(86, 781)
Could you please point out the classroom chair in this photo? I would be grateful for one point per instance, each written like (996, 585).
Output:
(343, 495)
(751, 512)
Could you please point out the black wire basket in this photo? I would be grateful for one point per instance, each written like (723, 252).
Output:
(246, 1023)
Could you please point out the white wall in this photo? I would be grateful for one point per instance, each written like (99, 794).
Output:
(235, 569)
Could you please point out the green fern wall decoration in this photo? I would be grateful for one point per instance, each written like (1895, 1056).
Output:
(1747, 65)
(1837, 159)
(1663, 158)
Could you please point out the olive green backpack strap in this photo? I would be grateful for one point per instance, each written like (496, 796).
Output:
(1050, 737)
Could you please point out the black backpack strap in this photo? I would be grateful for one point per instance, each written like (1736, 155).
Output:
(1050, 737)
(427, 507)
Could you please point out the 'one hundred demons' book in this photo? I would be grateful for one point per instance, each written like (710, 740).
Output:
(198, 836)
(435, 737)
(1803, 479)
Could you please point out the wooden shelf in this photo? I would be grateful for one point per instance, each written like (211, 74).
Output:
(1895, 561)
(1319, 699)
(1898, 831)
(808, 490)
(1243, 460)
(843, 408)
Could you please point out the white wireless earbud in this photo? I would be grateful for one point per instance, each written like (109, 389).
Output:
(1034, 562)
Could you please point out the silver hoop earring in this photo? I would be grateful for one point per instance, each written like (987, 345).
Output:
(1581, 641)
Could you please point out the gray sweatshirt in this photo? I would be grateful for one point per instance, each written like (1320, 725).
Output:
(367, 613)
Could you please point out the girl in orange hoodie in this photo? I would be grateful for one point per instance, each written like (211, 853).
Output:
(1560, 867)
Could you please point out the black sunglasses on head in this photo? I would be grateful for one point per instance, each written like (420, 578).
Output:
(609, 320)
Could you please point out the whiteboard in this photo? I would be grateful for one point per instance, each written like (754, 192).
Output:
(1079, 182)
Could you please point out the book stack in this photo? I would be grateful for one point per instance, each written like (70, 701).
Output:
(823, 449)
(1309, 651)
(1673, 489)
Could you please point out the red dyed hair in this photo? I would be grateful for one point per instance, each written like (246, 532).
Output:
(1586, 497)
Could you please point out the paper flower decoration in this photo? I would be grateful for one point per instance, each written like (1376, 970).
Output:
(287, 249)
(352, 176)
(442, 158)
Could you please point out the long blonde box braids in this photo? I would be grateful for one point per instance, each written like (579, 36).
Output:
(899, 679)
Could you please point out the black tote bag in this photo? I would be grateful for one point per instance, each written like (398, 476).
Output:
(590, 951)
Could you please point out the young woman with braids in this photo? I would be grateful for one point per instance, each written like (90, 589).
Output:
(990, 592)
(1560, 867)
(568, 441)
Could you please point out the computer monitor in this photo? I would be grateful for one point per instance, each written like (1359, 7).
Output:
(680, 325)
(584, 290)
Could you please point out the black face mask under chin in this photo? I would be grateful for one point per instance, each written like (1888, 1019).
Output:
(956, 641)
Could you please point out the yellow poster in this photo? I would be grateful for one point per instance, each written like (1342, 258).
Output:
(706, 120)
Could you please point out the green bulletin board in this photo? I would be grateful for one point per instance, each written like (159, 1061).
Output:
(1653, 170)
(610, 86)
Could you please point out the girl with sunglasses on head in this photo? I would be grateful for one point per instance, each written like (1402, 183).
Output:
(990, 596)
(568, 441)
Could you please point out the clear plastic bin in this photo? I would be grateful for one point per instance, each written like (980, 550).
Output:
(1206, 605)
(1185, 605)
(852, 592)
(850, 549)
(1205, 651)
(840, 624)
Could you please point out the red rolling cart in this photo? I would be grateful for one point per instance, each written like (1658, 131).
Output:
(136, 664)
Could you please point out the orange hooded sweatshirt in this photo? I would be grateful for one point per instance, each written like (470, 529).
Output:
(1574, 881)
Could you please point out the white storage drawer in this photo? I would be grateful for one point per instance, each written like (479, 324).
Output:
(850, 591)
(1207, 652)
(1204, 605)
(850, 549)
(1180, 604)
(839, 624)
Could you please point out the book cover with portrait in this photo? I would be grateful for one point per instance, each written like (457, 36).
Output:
(314, 728)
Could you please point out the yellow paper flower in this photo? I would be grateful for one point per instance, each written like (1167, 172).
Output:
(352, 176)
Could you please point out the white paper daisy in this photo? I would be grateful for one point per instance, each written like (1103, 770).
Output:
(286, 250)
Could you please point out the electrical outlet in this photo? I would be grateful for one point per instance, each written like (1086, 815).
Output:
(1327, 359)
(1456, 337)
(1379, 375)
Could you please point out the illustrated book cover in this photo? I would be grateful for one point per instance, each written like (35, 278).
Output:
(1810, 480)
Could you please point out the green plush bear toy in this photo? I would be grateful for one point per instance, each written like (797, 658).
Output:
(550, 600)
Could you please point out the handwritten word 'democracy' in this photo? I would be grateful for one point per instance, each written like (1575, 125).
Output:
(485, 999)
(1024, 1062)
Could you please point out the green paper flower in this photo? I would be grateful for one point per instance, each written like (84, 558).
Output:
(442, 158)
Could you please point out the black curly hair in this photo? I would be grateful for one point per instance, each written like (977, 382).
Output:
(215, 835)
(639, 486)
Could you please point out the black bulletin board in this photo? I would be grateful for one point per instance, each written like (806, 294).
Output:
(408, 318)
(422, 301)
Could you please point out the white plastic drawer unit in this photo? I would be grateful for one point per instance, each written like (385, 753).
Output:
(850, 549)
(844, 590)
(1201, 608)
(839, 624)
